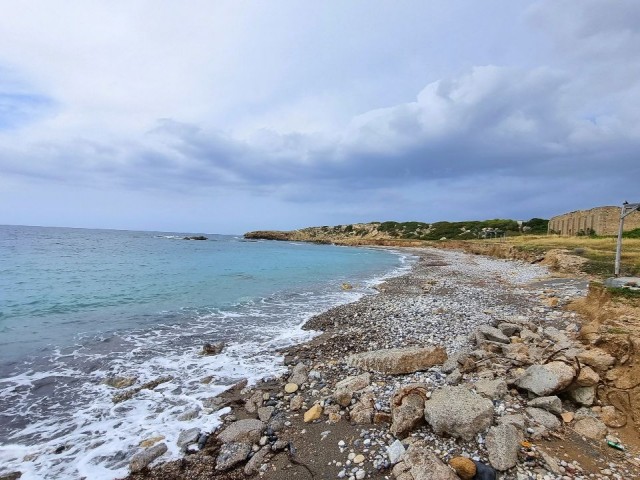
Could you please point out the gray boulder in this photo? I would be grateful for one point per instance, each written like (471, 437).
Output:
(544, 418)
(503, 443)
(546, 379)
(299, 375)
(583, 395)
(231, 454)
(187, 437)
(493, 389)
(420, 463)
(347, 387)
(458, 412)
(395, 361)
(590, 427)
(551, 404)
(141, 459)
(248, 431)
(493, 334)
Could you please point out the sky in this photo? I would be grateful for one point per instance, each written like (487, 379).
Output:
(229, 116)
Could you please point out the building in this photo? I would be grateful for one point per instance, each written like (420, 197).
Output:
(598, 221)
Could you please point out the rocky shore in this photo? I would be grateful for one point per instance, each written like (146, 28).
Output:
(467, 367)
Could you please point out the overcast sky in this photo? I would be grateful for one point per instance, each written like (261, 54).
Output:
(228, 116)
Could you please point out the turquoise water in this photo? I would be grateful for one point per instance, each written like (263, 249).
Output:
(78, 306)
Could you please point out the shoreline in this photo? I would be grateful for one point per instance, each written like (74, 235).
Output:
(441, 301)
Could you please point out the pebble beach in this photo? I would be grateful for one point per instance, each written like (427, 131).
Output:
(476, 412)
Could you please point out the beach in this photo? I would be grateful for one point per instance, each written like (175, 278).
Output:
(337, 416)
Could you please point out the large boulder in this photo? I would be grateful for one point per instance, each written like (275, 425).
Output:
(362, 412)
(244, 431)
(503, 443)
(544, 418)
(583, 395)
(590, 427)
(347, 387)
(407, 409)
(396, 361)
(420, 463)
(458, 412)
(546, 379)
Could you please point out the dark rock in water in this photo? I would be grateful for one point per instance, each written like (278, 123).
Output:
(11, 476)
(484, 472)
(212, 348)
(141, 459)
(59, 449)
(202, 440)
(199, 237)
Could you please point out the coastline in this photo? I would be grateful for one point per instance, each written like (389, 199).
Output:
(441, 302)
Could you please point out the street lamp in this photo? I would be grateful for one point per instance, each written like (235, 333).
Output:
(627, 208)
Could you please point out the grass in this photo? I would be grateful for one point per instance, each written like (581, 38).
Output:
(599, 251)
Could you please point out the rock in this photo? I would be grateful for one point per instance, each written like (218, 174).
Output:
(212, 348)
(494, 389)
(253, 465)
(231, 454)
(407, 409)
(552, 462)
(399, 360)
(544, 418)
(358, 459)
(453, 361)
(141, 459)
(613, 418)
(362, 412)
(567, 417)
(516, 351)
(296, 403)
(509, 329)
(10, 476)
(528, 336)
(214, 403)
(395, 452)
(299, 374)
(187, 437)
(189, 415)
(583, 395)
(551, 404)
(277, 422)
(120, 382)
(264, 413)
(493, 334)
(484, 472)
(517, 420)
(458, 412)
(454, 378)
(151, 441)
(596, 358)
(314, 413)
(546, 379)
(347, 387)
(420, 463)
(590, 427)
(503, 443)
(248, 430)
(464, 467)
(587, 378)
(291, 387)
(254, 402)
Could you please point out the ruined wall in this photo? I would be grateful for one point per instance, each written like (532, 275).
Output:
(600, 220)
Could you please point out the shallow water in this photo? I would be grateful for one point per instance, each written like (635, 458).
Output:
(78, 306)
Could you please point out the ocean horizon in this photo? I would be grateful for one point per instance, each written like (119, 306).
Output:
(79, 307)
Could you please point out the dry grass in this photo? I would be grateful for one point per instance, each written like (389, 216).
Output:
(600, 252)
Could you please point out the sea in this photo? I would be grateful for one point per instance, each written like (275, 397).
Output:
(80, 306)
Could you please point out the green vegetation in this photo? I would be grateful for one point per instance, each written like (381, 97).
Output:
(623, 292)
(461, 230)
(632, 233)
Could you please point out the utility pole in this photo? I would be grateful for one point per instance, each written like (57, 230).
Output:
(627, 208)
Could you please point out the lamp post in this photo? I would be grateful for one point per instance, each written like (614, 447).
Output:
(626, 209)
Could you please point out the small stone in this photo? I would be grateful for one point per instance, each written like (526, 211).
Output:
(567, 417)
(591, 427)
(187, 437)
(291, 387)
(296, 403)
(551, 404)
(395, 452)
(464, 467)
(313, 413)
(151, 441)
(264, 413)
(358, 459)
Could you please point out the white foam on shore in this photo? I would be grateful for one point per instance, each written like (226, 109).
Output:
(99, 437)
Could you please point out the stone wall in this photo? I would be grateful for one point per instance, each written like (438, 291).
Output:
(599, 220)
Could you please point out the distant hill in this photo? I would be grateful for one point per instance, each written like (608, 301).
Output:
(387, 232)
